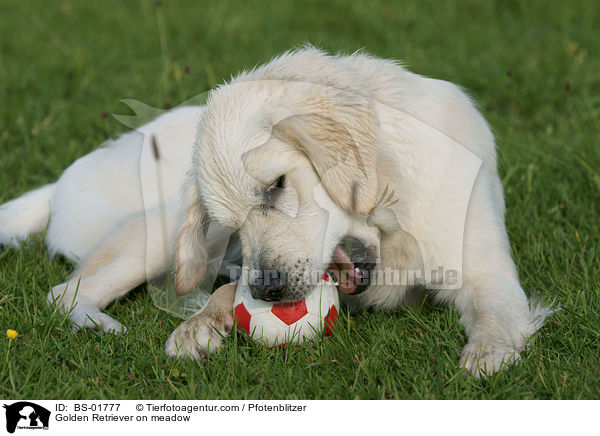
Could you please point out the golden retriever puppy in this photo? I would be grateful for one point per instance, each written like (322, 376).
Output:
(347, 164)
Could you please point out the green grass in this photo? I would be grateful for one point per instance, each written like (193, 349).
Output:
(532, 66)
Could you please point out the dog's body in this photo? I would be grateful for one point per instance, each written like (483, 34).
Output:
(297, 156)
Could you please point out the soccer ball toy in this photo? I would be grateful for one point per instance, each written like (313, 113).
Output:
(278, 324)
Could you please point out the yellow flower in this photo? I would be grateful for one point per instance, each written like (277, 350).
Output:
(11, 333)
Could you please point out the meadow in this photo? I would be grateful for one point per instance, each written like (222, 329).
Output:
(532, 66)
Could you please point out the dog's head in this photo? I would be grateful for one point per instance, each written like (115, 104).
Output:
(292, 167)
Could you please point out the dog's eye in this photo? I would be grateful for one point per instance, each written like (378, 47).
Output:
(273, 190)
(279, 183)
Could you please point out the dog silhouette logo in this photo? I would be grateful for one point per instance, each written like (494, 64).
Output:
(26, 415)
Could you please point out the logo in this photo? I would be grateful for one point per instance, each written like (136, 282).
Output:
(26, 415)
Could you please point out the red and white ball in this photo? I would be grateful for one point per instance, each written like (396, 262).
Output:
(275, 324)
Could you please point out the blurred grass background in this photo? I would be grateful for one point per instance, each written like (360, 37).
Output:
(531, 65)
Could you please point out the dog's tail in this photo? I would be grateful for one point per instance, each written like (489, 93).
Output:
(26, 215)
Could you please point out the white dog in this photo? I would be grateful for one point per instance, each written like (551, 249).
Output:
(348, 164)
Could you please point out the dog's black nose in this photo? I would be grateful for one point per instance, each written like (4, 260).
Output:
(267, 285)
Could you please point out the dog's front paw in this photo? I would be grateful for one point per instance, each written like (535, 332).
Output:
(82, 313)
(98, 320)
(486, 358)
(87, 316)
(198, 336)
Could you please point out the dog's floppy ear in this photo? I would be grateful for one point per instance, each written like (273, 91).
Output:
(191, 256)
(343, 152)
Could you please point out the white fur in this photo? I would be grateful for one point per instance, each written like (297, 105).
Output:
(105, 215)
(25, 215)
(422, 139)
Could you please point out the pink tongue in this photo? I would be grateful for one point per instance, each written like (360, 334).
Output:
(343, 268)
